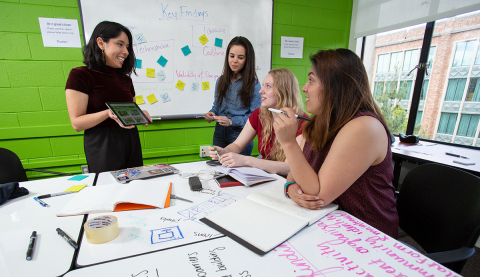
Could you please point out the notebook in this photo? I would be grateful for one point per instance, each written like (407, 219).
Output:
(227, 181)
(247, 175)
(143, 172)
(264, 220)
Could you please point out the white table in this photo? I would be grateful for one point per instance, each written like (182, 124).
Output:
(52, 255)
(137, 228)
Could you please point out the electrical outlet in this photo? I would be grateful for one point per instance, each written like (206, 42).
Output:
(204, 151)
(84, 169)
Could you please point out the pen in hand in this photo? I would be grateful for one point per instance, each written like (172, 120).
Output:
(456, 155)
(67, 238)
(31, 245)
(285, 113)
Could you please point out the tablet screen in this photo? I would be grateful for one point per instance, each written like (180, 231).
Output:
(128, 113)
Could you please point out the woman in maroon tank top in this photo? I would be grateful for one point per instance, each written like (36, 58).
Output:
(345, 155)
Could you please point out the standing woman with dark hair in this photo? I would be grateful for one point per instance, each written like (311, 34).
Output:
(109, 60)
(345, 156)
(236, 94)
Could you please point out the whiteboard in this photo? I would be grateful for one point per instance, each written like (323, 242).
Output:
(163, 28)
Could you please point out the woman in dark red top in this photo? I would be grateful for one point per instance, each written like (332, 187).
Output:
(109, 60)
(345, 156)
(279, 89)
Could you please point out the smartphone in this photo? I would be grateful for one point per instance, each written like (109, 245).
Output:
(463, 162)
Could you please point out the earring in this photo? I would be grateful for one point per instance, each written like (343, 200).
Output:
(103, 56)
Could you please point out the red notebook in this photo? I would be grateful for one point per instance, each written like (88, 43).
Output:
(227, 181)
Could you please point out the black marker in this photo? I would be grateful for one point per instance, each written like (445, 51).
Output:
(33, 238)
(67, 238)
(455, 155)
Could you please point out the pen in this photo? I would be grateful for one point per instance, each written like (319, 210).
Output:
(285, 113)
(54, 194)
(218, 155)
(40, 201)
(33, 238)
(179, 198)
(67, 238)
(455, 155)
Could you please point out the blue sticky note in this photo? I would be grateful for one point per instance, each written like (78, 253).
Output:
(139, 38)
(195, 86)
(78, 177)
(162, 61)
(138, 63)
(218, 42)
(186, 50)
(165, 97)
(161, 75)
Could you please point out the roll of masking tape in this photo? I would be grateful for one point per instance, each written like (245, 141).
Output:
(101, 229)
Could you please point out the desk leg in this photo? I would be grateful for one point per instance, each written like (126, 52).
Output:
(396, 171)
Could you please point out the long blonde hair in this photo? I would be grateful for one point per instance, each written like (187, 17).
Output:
(287, 92)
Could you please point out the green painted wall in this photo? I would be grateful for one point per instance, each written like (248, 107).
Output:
(34, 121)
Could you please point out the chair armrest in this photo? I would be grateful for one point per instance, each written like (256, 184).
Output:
(51, 172)
(452, 255)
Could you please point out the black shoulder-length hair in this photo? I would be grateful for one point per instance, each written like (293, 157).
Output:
(249, 76)
(92, 54)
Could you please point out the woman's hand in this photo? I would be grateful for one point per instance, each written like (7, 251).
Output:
(209, 117)
(223, 121)
(233, 159)
(213, 154)
(311, 202)
(114, 117)
(147, 114)
(286, 126)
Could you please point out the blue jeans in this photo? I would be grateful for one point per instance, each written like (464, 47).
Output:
(223, 136)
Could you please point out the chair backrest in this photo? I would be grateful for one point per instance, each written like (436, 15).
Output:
(439, 207)
(11, 168)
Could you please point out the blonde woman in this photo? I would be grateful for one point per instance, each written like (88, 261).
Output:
(279, 89)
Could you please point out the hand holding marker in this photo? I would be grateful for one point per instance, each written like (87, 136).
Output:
(285, 113)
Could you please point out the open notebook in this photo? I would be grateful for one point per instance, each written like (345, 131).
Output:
(264, 219)
(246, 175)
(140, 194)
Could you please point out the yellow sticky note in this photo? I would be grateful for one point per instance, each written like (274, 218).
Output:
(180, 85)
(203, 39)
(76, 188)
(139, 99)
(151, 72)
(205, 85)
(152, 99)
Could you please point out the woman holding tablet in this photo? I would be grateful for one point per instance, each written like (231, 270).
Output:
(109, 60)
(345, 155)
(279, 89)
(236, 94)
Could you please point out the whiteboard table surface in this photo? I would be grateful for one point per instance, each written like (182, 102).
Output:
(52, 255)
(143, 231)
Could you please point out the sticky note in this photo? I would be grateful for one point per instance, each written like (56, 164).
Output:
(139, 38)
(152, 99)
(162, 61)
(76, 188)
(218, 42)
(78, 177)
(138, 63)
(165, 97)
(203, 39)
(180, 85)
(151, 72)
(205, 85)
(161, 75)
(194, 86)
(139, 99)
(186, 50)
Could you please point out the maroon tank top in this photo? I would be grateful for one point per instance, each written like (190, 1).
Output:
(371, 198)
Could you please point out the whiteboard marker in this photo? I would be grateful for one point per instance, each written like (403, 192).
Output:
(285, 113)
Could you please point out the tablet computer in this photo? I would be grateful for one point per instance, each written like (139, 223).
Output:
(128, 113)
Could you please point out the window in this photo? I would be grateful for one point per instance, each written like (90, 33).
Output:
(468, 125)
(423, 94)
(455, 89)
(447, 123)
(473, 92)
(464, 53)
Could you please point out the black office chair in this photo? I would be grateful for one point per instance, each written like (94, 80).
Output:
(439, 207)
(11, 168)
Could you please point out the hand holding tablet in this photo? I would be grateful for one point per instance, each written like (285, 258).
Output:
(128, 113)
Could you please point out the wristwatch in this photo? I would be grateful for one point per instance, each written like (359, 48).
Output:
(285, 188)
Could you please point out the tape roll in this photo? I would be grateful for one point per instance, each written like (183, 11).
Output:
(101, 229)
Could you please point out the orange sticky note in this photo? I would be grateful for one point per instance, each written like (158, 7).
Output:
(151, 72)
(180, 85)
(203, 39)
(139, 99)
(205, 85)
(152, 99)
